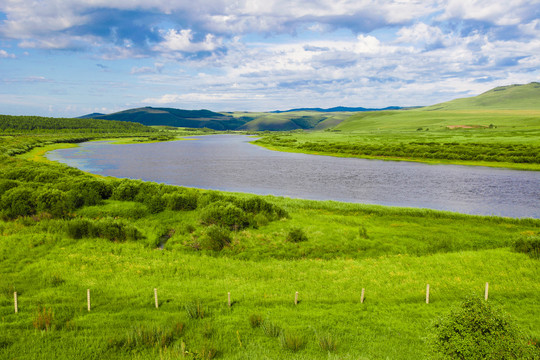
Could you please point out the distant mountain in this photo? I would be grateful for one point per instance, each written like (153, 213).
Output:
(338, 109)
(90, 116)
(174, 117)
(511, 97)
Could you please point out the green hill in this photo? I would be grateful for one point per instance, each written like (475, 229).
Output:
(511, 97)
(150, 116)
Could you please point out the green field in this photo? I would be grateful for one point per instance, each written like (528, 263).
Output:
(509, 138)
(64, 232)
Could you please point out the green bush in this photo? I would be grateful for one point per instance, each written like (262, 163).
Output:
(18, 201)
(53, 201)
(529, 245)
(475, 330)
(110, 229)
(125, 190)
(224, 214)
(215, 238)
(177, 201)
(296, 235)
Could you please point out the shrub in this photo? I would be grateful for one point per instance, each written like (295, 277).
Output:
(53, 201)
(529, 245)
(215, 239)
(296, 235)
(475, 330)
(177, 201)
(291, 341)
(125, 190)
(155, 204)
(224, 214)
(111, 229)
(18, 201)
(255, 320)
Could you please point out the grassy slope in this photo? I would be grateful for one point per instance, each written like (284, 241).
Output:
(506, 116)
(52, 271)
(514, 97)
(291, 120)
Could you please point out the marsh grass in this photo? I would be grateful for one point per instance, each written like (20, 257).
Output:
(270, 329)
(43, 319)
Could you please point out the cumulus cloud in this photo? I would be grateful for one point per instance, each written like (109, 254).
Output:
(182, 41)
(5, 55)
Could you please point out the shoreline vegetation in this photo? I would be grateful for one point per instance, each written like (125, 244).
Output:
(64, 231)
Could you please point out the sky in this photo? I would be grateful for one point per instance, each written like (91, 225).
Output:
(67, 58)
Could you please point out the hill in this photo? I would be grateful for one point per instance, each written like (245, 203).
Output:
(511, 97)
(337, 109)
(150, 116)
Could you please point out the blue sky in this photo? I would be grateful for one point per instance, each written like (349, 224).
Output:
(73, 57)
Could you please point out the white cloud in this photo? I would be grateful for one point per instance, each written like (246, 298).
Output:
(5, 55)
(182, 41)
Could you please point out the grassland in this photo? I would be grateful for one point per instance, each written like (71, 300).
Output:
(392, 253)
(64, 231)
(501, 138)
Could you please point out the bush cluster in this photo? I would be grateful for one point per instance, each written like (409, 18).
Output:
(114, 230)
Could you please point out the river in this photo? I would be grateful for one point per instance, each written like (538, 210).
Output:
(231, 163)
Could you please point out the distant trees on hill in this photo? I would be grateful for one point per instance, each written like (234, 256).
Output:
(26, 124)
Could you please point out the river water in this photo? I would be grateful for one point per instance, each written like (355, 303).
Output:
(231, 163)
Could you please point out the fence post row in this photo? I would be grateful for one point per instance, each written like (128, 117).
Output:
(229, 303)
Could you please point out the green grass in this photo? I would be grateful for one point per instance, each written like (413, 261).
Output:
(501, 138)
(515, 97)
(392, 253)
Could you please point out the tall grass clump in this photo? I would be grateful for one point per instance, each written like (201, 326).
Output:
(292, 341)
(43, 319)
(255, 320)
(195, 310)
(270, 329)
(215, 238)
(327, 342)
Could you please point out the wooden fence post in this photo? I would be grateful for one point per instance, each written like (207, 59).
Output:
(88, 298)
(487, 290)
(16, 303)
(427, 294)
(296, 298)
(229, 299)
(362, 296)
(155, 298)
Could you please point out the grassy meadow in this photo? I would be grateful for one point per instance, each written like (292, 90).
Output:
(124, 238)
(500, 138)
(64, 231)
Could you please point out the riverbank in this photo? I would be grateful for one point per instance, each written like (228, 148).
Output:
(391, 253)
